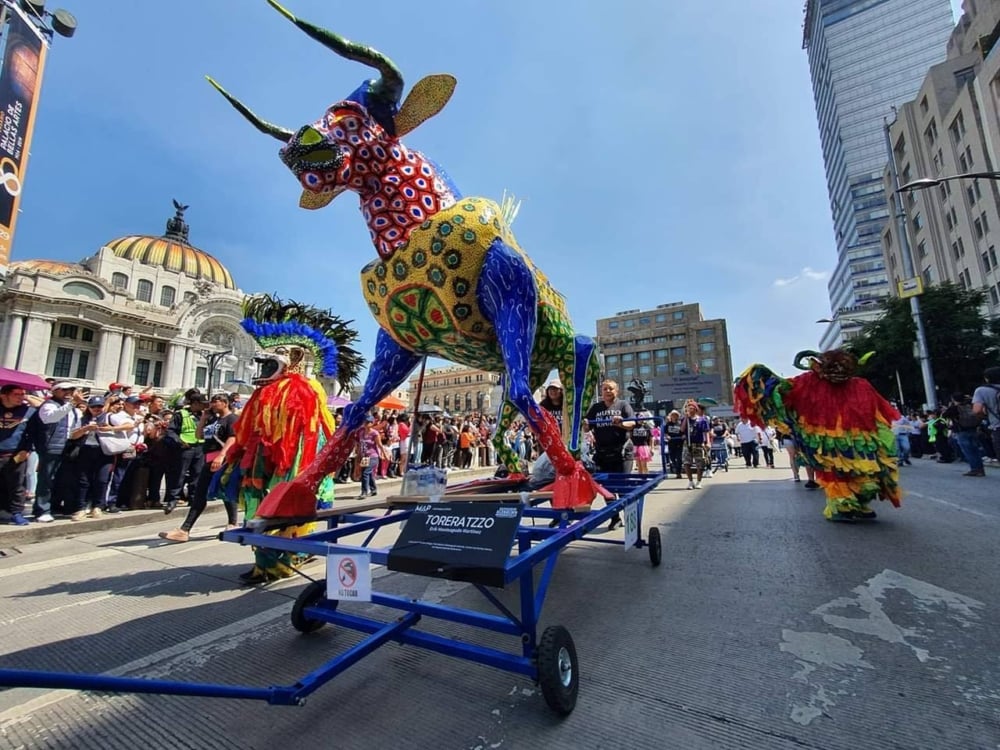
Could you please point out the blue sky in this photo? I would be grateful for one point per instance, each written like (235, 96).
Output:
(663, 151)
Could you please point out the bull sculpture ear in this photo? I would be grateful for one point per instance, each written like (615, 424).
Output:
(865, 357)
(807, 354)
(425, 100)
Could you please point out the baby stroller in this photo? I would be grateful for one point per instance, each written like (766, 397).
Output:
(719, 456)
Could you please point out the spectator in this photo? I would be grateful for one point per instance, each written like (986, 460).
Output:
(52, 427)
(15, 447)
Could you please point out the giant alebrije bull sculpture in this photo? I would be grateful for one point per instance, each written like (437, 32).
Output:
(449, 281)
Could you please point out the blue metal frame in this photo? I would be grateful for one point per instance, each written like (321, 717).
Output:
(535, 544)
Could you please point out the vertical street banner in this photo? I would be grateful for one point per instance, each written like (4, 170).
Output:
(20, 82)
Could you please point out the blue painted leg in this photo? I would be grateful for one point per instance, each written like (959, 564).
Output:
(508, 297)
(297, 499)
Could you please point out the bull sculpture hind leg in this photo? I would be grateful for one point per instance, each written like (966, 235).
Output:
(450, 279)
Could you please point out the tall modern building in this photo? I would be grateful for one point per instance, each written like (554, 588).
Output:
(865, 57)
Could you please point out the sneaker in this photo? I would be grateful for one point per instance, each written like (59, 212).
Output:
(231, 526)
(45, 518)
(80, 515)
(690, 484)
(16, 519)
(697, 485)
(177, 535)
(979, 473)
(797, 479)
(95, 513)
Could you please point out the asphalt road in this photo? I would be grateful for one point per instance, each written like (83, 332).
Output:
(765, 627)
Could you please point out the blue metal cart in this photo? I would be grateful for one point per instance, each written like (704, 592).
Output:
(548, 657)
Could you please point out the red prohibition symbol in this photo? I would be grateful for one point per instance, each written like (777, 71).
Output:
(347, 573)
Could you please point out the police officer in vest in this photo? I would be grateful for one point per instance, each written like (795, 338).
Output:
(51, 426)
(185, 456)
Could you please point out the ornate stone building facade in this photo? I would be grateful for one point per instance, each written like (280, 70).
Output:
(458, 389)
(143, 310)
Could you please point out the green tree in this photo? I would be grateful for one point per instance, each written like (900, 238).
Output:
(961, 340)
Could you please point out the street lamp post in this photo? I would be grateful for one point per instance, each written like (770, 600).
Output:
(923, 351)
(213, 359)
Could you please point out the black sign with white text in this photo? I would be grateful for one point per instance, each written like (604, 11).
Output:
(460, 541)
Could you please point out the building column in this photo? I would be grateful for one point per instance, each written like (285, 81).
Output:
(108, 357)
(125, 364)
(35, 353)
(12, 341)
(187, 373)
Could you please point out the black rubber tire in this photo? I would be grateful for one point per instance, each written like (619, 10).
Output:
(310, 595)
(655, 547)
(558, 669)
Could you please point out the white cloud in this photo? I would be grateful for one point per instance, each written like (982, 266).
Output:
(807, 274)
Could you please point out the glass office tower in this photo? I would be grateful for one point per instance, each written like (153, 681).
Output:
(865, 56)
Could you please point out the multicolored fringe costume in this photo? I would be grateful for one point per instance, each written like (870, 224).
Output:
(449, 279)
(285, 422)
(840, 425)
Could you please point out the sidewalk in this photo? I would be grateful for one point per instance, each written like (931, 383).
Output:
(63, 527)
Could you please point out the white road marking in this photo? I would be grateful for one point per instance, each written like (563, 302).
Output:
(58, 562)
(234, 635)
(96, 599)
(954, 506)
(815, 650)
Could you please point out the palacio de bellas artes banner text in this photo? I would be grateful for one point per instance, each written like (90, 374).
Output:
(20, 82)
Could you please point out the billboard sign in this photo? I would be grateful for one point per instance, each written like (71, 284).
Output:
(20, 82)
(677, 388)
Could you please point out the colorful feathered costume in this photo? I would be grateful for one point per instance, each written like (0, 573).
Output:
(840, 424)
(285, 422)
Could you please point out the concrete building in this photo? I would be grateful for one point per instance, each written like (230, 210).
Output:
(865, 56)
(952, 127)
(458, 389)
(672, 348)
(143, 310)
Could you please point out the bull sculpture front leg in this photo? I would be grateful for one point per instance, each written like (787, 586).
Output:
(508, 297)
(297, 499)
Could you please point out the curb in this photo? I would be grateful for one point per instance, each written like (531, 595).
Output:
(63, 528)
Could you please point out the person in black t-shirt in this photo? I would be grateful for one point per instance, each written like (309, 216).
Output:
(219, 434)
(615, 418)
(673, 433)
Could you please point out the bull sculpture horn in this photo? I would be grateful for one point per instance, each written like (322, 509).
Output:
(389, 87)
(267, 128)
(808, 353)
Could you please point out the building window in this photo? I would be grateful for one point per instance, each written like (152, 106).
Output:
(645, 370)
(613, 373)
(119, 281)
(661, 353)
(86, 334)
(931, 133)
(144, 291)
(611, 359)
(923, 110)
(678, 315)
(158, 373)
(994, 297)
(447, 402)
(613, 324)
(993, 256)
(628, 357)
(918, 222)
(630, 323)
(708, 346)
(142, 372)
(645, 356)
(63, 364)
(82, 362)
(705, 332)
(68, 331)
(708, 364)
(680, 368)
(986, 261)
(628, 372)
(985, 222)
(662, 369)
(921, 249)
(957, 128)
(167, 296)
(660, 317)
(678, 351)
(644, 321)
(971, 194)
(978, 224)
(201, 376)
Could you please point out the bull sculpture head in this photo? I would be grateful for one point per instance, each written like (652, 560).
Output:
(322, 156)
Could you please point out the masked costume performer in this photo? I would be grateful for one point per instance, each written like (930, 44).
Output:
(840, 425)
(286, 422)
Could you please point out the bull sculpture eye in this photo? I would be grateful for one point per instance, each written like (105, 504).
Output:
(309, 151)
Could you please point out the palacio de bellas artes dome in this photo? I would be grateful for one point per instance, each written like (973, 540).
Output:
(143, 311)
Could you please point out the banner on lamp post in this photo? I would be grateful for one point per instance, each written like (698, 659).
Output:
(20, 83)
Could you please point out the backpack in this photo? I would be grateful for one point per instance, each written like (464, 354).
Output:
(967, 420)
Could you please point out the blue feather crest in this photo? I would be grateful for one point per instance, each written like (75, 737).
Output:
(293, 333)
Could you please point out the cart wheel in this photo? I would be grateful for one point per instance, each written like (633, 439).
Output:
(655, 547)
(311, 594)
(558, 669)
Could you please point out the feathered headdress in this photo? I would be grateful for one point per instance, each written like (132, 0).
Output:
(273, 322)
